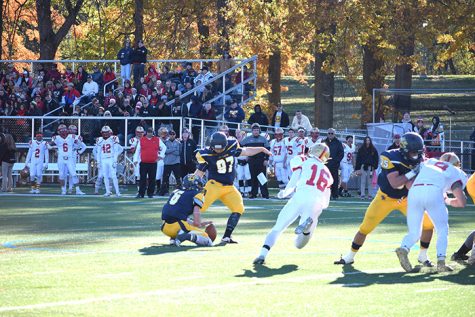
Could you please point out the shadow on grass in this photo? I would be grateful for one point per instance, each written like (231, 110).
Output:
(165, 248)
(261, 271)
(355, 278)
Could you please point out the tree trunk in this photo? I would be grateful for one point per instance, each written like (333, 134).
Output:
(203, 30)
(223, 43)
(49, 40)
(373, 77)
(403, 78)
(324, 93)
(138, 21)
(274, 77)
(1, 29)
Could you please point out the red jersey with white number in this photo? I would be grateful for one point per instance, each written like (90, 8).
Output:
(440, 174)
(299, 145)
(65, 147)
(315, 178)
(37, 152)
(279, 151)
(289, 145)
(349, 152)
(107, 148)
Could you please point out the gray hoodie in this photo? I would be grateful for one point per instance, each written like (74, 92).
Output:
(172, 155)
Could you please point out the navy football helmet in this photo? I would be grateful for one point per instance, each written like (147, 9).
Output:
(193, 182)
(218, 142)
(412, 147)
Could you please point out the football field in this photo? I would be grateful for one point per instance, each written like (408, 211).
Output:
(95, 256)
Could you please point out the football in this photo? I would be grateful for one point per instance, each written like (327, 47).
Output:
(211, 231)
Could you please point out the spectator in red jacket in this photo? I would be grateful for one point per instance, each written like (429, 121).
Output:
(147, 154)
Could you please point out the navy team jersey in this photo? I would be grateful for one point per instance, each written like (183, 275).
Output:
(393, 160)
(180, 205)
(220, 166)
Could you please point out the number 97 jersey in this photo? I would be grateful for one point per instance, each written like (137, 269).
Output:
(220, 166)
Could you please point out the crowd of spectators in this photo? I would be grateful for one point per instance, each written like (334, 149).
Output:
(49, 91)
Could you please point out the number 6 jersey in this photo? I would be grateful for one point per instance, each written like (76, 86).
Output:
(220, 166)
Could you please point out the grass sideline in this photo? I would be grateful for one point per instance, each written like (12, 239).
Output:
(95, 256)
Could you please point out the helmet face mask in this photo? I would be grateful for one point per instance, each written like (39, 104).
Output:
(412, 147)
(63, 130)
(106, 132)
(218, 142)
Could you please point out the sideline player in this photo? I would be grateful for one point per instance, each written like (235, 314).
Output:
(218, 160)
(300, 142)
(37, 160)
(311, 181)
(289, 145)
(65, 144)
(243, 174)
(346, 165)
(398, 167)
(427, 193)
(109, 150)
(314, 137)
(79, 148)
(182, 204)
(133, 142)
(277, 160)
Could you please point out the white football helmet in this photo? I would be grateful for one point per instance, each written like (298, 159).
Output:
(106, 131)
(450, 157)
(319, 151)
(279, 134)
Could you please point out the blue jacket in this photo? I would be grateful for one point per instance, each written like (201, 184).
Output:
(125, 56)
(235, 115)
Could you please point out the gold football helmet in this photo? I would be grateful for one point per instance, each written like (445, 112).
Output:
(319, 151)
(451, 158)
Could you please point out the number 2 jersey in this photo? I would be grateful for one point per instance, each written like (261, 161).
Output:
(220, 166)
(37, 152)
(440, 174)
(180, 205)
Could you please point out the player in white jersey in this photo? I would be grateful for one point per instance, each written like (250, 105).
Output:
(133, 142)
(109, 151)
(79, 148)
(428, 193)
(163, 135)
(100, 175)
(289, 145)
(65, 144)
(37, 160)
(346, 165)
(311, 181)
(300, 142)
(314, 137)
(243, 174)
(277, 160)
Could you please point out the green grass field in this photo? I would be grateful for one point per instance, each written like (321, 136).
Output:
(94, 256)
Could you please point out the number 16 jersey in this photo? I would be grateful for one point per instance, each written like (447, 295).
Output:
(315, 177)
(220, 166)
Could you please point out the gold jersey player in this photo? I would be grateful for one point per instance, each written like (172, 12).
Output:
(218, 160)
(398, 168)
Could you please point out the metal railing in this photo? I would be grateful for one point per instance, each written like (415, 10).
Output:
(222, 77)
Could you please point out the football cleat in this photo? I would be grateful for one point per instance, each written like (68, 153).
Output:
(426, 263)
(172, 241)
(226, 240)
(259, 260)
(79, 192)
(459, 257)
(342, 261)
(33, 191)
(63, 192)
(403, 259)
(107, 195)
(471, 260)
(118, 195)
(442, 267)
(70, 191)
(177, 243)
(304, 227)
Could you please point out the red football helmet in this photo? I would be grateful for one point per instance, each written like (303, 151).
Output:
(279, 134)
(106, 131)
(63, 130)
(73, 129)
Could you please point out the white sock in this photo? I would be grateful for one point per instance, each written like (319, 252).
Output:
(264, 252)
(115, 181)
(441, 258)
(423, 255)
(107, 184)
(350, 256)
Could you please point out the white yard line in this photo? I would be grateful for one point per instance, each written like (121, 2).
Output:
(188, 289)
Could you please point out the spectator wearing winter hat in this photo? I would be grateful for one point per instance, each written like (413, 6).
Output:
(258, 117)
